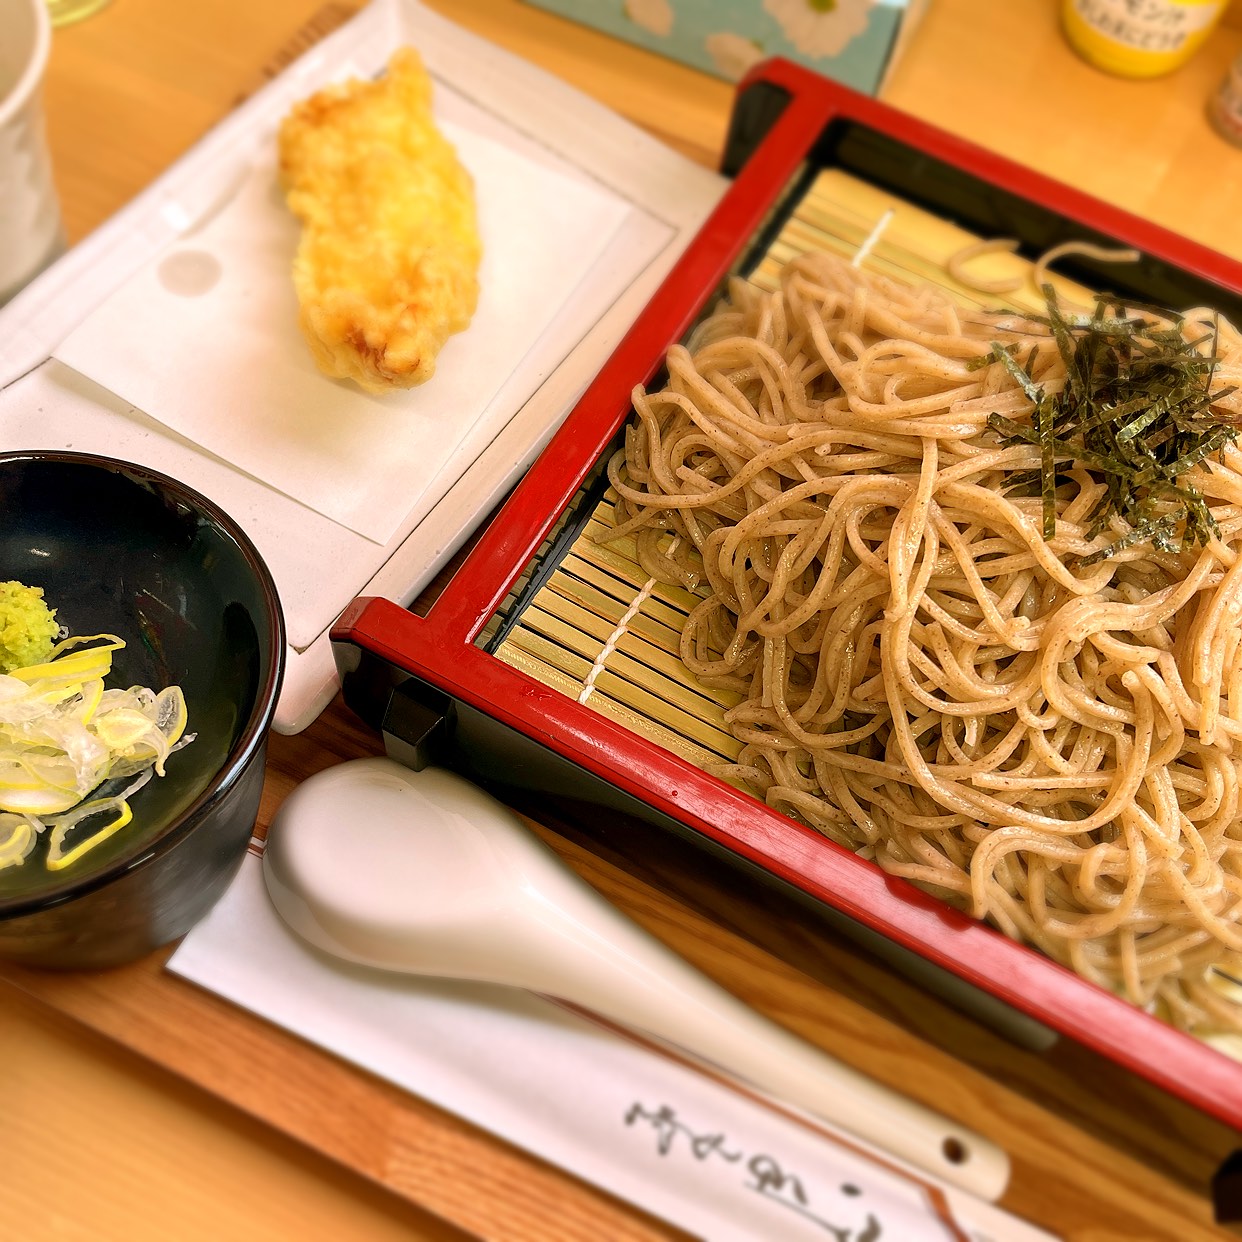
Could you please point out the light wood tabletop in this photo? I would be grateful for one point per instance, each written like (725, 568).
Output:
(136, 1110)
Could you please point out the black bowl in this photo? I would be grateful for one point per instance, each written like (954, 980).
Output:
(120, 549)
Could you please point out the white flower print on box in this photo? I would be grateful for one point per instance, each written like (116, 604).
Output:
(732, 54)
(653, 15)
(821, 27)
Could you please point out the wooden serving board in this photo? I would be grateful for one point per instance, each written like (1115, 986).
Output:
(1065, 1179)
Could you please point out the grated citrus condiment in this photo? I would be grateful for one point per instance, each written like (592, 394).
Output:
(28, 627)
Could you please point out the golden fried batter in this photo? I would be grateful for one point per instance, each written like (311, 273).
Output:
(387, 267)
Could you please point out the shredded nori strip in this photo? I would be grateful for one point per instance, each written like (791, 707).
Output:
(1136, 411)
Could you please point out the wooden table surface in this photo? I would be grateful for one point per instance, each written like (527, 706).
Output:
(112, 1125)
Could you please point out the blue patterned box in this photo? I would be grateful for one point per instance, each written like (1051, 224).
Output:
(852, 41)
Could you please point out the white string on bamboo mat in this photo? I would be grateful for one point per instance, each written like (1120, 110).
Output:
(619, 632)
(644, 594)
(870, 240)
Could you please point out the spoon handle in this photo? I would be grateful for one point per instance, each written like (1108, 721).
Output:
(636, 980)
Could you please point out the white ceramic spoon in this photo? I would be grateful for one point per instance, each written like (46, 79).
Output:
(423, 873)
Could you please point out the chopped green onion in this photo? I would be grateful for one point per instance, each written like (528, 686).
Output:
(63, 736)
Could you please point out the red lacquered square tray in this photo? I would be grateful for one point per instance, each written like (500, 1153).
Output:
(439, 695)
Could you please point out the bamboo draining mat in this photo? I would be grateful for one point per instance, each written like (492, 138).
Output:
(598, 606)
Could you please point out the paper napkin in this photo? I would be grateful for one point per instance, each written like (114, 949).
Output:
(204, 339)
(644, 1126)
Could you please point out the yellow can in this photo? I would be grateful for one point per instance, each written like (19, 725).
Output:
(1139, 38)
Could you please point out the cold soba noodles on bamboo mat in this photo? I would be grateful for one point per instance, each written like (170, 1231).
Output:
(958, 587)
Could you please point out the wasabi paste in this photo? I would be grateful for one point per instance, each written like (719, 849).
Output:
(28, 628)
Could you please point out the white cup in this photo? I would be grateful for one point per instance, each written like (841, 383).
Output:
(30, 229)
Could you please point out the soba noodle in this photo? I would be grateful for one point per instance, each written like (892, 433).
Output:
(926, 680)
(958, 263)
(1039, 270)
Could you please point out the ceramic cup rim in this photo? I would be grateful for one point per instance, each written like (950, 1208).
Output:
(27, 84)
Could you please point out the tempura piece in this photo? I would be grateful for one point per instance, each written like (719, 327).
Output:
(387, 266)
